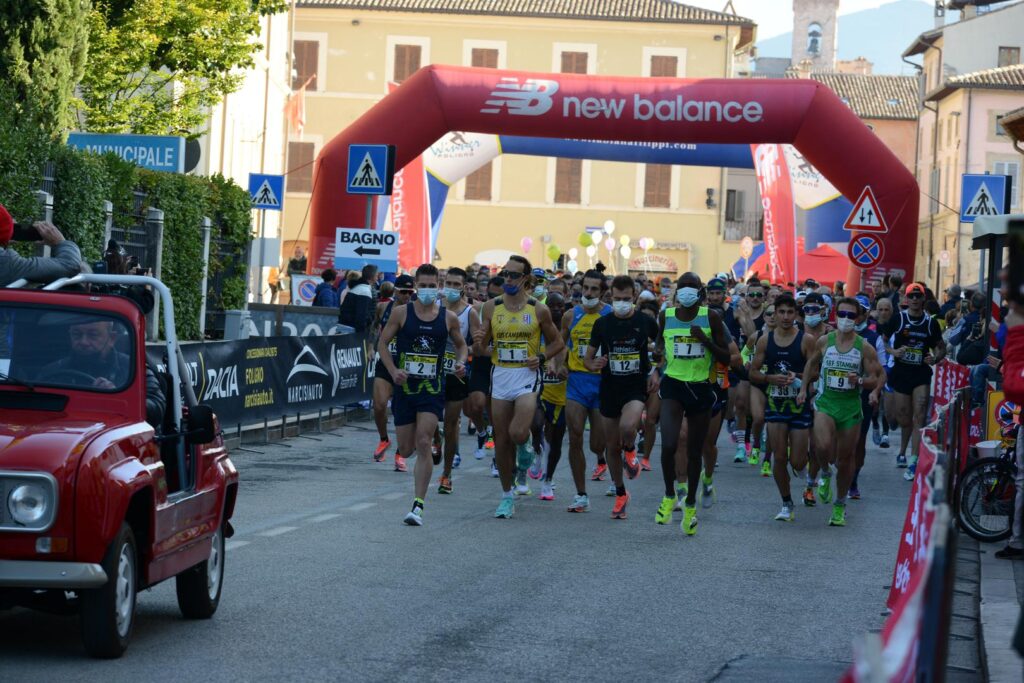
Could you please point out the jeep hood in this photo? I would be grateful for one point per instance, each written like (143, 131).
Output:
(47, 442)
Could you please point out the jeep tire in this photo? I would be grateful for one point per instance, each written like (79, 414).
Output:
(199, 587)
(108, 612)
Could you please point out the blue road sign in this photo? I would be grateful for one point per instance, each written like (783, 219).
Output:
(866, 251)
(266, 191)
(357, 247)
(983, 195)
(155, 152)
(371, 169)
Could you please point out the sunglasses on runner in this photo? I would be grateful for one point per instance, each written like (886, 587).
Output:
(849, 315)
(755, 295)
(509, 275)
(915, 295)
(405, 291)
(811, 310)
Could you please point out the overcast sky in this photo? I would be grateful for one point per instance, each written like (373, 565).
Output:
(774, 17)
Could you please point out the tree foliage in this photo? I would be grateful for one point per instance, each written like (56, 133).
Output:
(155, 66)
(43, 48)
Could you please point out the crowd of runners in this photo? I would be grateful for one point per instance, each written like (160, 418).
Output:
(799, 374)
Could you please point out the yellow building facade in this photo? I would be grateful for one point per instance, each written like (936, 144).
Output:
(353, 49)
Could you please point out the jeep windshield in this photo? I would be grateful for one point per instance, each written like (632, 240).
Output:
(68, 349)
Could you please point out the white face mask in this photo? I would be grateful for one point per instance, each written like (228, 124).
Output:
(589, 303)
(622, 308)
(845, 324)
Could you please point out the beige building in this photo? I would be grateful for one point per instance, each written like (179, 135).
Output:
(352, 49)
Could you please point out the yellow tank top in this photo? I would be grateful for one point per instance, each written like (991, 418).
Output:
(579, 336)
(554, 386)
(516, 334)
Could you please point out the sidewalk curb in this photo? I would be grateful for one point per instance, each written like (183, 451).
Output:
(999, 613)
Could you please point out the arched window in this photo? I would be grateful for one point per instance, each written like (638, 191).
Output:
(814, 38)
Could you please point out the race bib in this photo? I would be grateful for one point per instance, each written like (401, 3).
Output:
(552, 378)
(687, 347)
(912, 356)
(581, 351)
(513, 352)
(421, 365)
(449, 363)
(838, 380)
(624, 363)
(787, 392)
(393, 347)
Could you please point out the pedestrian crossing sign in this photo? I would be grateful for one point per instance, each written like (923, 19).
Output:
(371, 169)
(266, 191)
(982, 194)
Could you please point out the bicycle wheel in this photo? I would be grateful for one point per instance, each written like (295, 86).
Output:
(985, 500)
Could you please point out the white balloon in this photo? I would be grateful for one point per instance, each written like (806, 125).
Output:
(573, 253)
(591, 250)
(609, 227)
(625, 251)
(572, 266)
(596, 236)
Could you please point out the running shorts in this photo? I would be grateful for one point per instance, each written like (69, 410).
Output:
(405, 407)
(508, 384)
(846, 413)
(456, 389)
(584, 388)
(381, 372)
(480, 375)
(721, 400)
(904, 380)
(554, 414)
(694, 397)
(789, 413)
(612, 396)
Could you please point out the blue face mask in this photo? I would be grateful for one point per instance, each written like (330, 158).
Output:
(812, 320)
(452, 295)
(539, 291)
(687, 296)
(427, 295)
(862, 326)
(510, 289)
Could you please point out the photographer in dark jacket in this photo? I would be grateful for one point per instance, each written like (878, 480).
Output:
(357, 308)
(116, 260)
(66, 260)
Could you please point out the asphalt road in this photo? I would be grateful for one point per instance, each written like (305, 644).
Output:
(324, 582)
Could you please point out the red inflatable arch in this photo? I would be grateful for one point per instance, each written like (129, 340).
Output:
(804, 113)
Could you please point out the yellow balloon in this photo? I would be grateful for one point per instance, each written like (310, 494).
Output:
(624, 240)
(584, 239)
(554, 251)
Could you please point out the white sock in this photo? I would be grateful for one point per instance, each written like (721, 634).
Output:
(508, 494)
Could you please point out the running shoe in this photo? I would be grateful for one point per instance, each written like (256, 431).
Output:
(731, 426)
(876, 435)
(382, 450)
(494, 469)
(645, 464)
(909, 474)
(546, 491)
(598, 473)
(479, 453)
(400, 464)
(741, 453)
(754, 457)
(766, 468)
(885, 441)
(580, 504)
(444, 484)
(619, 509)
(838, 517)
(457, 460)
(664, 513)
(611, 490)
(785, 514)
(436, 454)
(901, 460)
(689, 523)
(631, 464)
(415, 517)
(536, 470)
(854, 493)
(489, 444)
(524, 457)
(809, 499)
(506, 508)
(471, 429)
(681, 490)
(522, 488)
(825, 489)
(707, 493)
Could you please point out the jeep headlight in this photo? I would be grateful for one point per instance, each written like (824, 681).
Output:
(30, 504)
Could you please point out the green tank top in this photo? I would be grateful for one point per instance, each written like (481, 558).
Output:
(833, 381)
(688, 359)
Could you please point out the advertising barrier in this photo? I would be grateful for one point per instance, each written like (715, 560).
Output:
(913, 549)
(947, 378)
(266, 377)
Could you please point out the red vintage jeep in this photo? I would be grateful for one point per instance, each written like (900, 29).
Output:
(96, 503)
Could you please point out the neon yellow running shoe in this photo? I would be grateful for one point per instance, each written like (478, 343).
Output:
(664, 513)
(689, 523)
(838, 515)
(755, 455)
(766, 468)
(681, 490)
(825, 489)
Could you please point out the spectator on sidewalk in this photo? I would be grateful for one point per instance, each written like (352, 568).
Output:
(952, 299)
(357, 308)
(326, 293)
(66, 260)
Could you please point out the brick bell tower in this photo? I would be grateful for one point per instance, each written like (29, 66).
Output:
(815, 31)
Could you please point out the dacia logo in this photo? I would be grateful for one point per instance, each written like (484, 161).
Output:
(532, 97)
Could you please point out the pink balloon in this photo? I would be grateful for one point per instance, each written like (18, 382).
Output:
(526, 243)
(609, 243)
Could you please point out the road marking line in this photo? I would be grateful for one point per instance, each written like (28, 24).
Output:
(359, 506)
(392, 496)
(231, 545)
(278, 531)
(323, 518)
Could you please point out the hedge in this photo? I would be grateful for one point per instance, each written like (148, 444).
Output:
(83, 181)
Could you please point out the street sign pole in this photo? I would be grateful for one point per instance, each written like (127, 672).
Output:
(369, 212)
(259, 266)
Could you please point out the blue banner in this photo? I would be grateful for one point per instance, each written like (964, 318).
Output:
(685, 154)
(155, 152)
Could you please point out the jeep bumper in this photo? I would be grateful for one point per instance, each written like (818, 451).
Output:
(59, 575)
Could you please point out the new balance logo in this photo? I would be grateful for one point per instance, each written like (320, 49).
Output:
(530, 98)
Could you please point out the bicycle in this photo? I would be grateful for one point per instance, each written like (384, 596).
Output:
(984, 497)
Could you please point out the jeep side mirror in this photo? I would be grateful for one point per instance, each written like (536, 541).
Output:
(200, 424)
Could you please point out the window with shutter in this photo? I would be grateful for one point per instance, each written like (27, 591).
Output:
(1008, 56)
(407, 61)
(484, 57)
(300, 166)
(657, 185)
(478, 184)
(568, 181)
(664, 66)
(307, 59)
(574, 62)
(1012, 169)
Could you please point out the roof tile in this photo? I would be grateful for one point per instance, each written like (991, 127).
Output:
(874, 96)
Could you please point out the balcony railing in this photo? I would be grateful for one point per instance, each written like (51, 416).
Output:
(735, 230)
